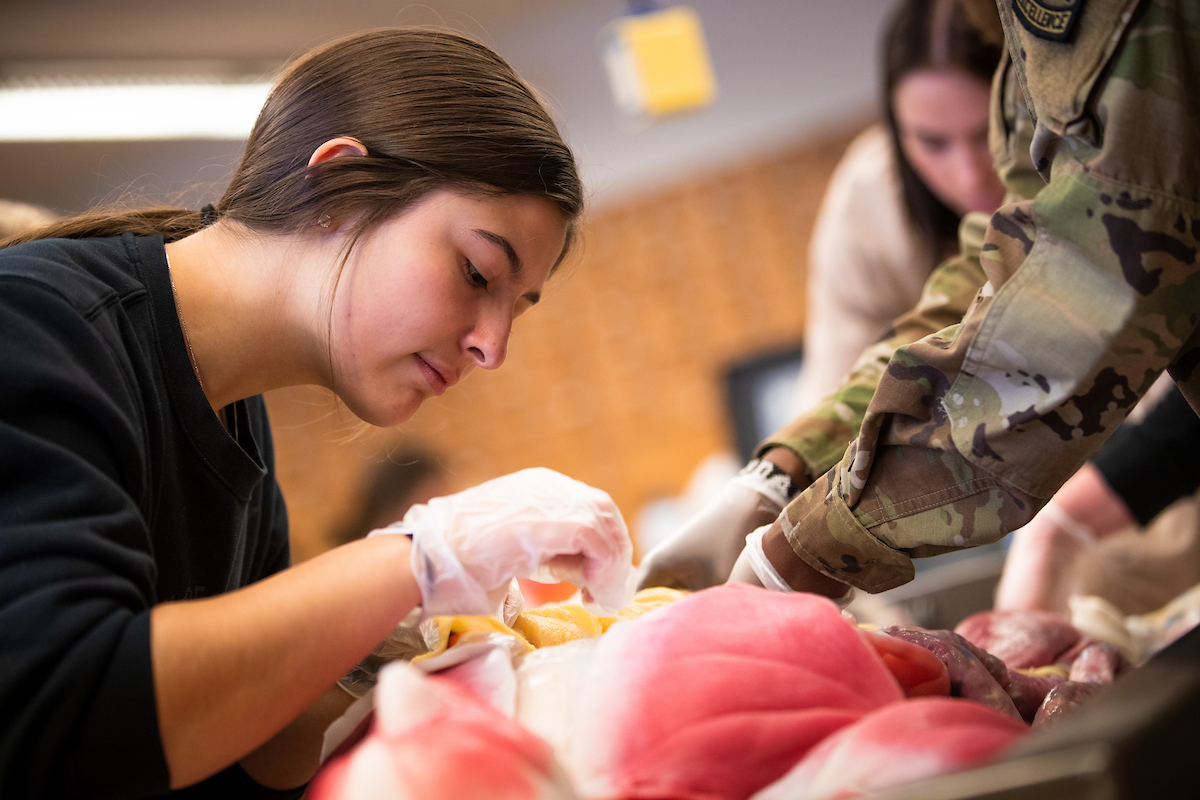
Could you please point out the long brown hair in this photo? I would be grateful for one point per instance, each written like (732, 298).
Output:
(936, 34)
(434, 110)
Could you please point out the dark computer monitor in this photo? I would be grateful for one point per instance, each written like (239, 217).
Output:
(762, 395)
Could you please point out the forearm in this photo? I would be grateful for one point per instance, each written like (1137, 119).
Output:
(827, 538)
(820, 436)
(794, 571)
(786, 459)
(232, 671)
(1152, 464)
(812, 444)
(959, 442)
(291, 757)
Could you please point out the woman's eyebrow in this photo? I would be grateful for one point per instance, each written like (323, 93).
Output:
(514, 261)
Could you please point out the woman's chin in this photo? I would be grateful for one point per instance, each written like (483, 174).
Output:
(986, 205)
(387, 415)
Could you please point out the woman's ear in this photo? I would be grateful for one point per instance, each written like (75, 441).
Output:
(341, 146)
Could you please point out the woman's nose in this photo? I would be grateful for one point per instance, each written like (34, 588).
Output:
(487, 342)
(964, 168)
(979, 168)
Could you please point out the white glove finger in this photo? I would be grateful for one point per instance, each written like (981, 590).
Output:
(703, 552)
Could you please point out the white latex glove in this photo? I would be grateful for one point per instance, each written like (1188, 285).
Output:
(1039, 562)
(753, 567)
(702, 552)
(536, 523)
(1039, 567)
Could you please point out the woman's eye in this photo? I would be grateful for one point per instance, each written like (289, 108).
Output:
(475, 276)
(933, 144)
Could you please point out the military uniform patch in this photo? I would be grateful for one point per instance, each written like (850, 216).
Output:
(1048, 19)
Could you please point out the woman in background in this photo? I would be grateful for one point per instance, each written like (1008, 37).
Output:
(403, 196)
(893, 205)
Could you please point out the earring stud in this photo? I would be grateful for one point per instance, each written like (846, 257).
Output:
(323, 220)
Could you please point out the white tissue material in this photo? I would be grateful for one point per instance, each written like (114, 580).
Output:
(403, 700)
(434, 741)
(481, 663)
(550, 683)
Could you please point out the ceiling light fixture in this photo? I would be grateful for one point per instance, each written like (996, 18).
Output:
(658, 62)
(128, 109)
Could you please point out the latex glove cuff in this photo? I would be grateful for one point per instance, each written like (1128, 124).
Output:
(1068, 524)
(756, 558)
(768, 479)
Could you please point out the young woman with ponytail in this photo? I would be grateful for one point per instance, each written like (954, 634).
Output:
(402, 198)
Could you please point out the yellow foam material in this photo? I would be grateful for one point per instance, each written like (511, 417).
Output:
(566, 622)
(555, 624)
(549, 625)
(647, 600)
(451, 629)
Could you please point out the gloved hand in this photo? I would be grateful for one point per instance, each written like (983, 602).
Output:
(703, 551)
(1040, 559)
(753, 567)
(535, 523)
(1043, 554)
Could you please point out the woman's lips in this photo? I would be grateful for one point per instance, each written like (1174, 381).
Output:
(435, 379)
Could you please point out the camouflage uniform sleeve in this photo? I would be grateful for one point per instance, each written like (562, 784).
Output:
(1092, 291)
(820, 435)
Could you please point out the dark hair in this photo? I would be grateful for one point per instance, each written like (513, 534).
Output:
(936, 34)
(434, 110)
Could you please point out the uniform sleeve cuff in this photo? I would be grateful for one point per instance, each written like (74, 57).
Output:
(796, 446)
(824, 533)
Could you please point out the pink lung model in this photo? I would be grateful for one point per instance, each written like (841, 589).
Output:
(720, 694)
(899, 744)
(432, 740)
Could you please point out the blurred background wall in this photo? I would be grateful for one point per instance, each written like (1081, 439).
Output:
(694, 251)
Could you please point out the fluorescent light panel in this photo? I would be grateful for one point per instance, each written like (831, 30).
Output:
(113, 109)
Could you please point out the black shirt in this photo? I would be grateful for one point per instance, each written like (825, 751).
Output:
(119, 489)
(1153, 463)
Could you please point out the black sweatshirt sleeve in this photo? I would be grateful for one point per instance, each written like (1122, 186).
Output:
(1154, 463)
(77, 572)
